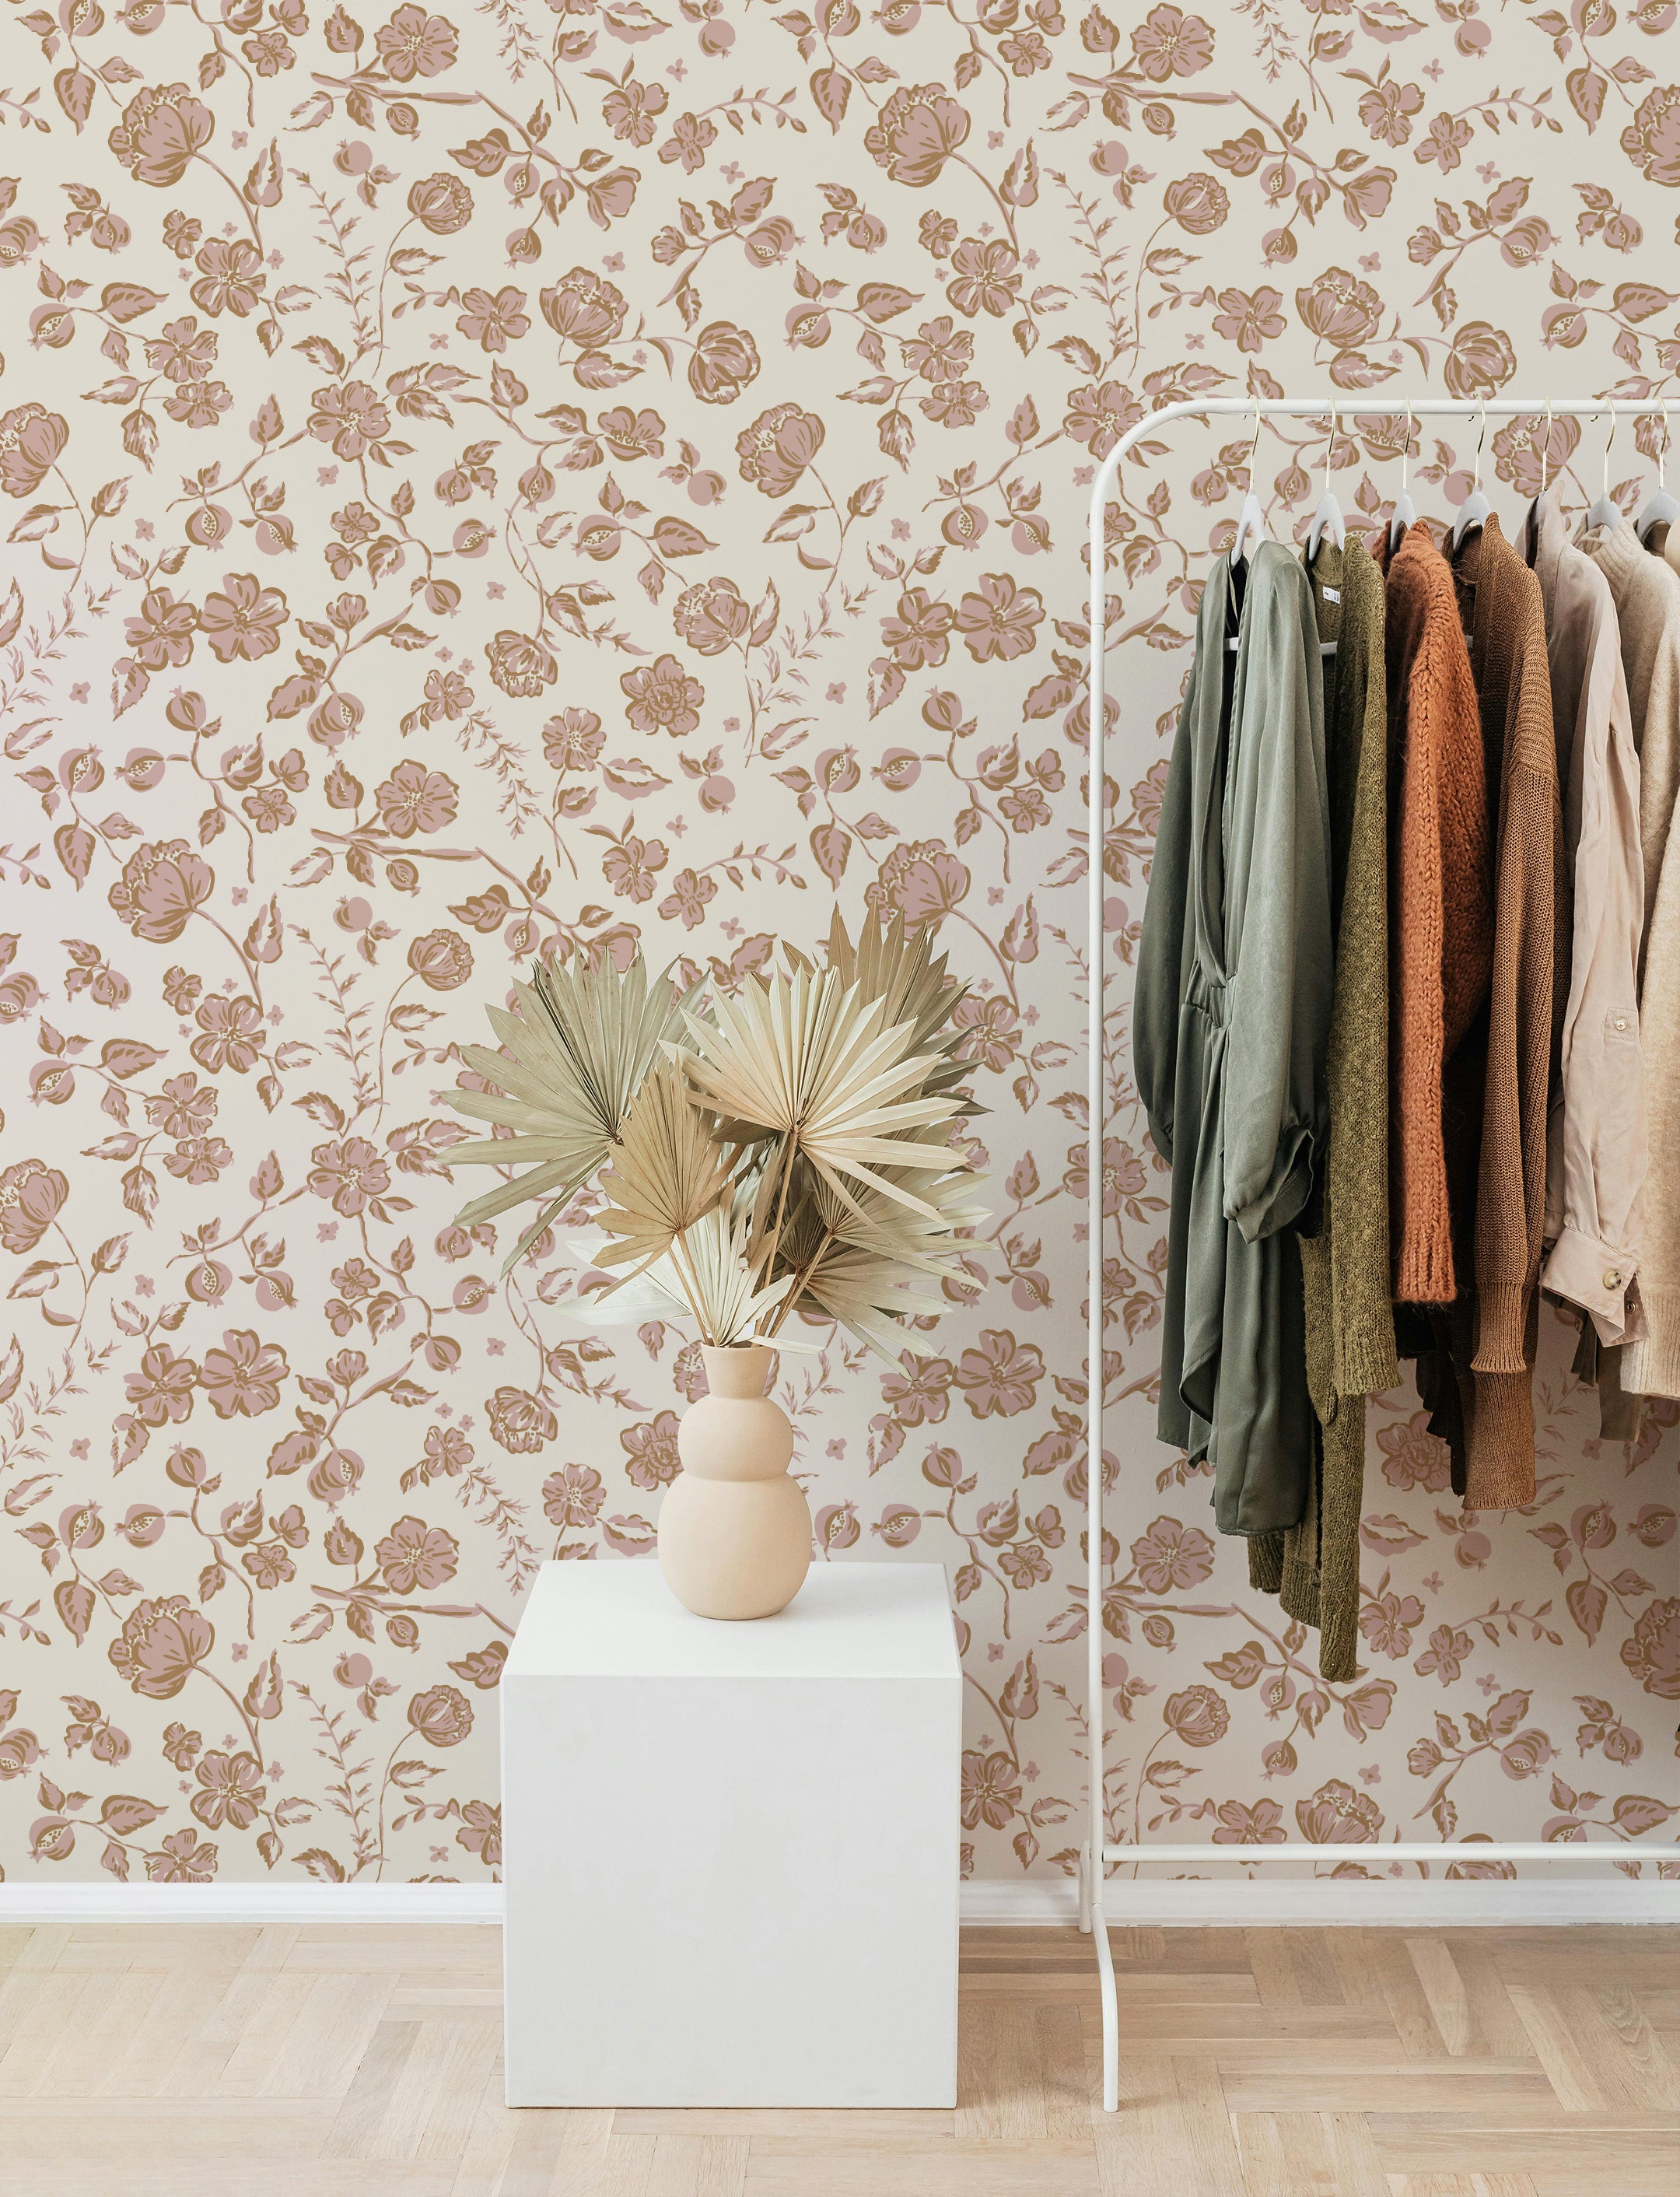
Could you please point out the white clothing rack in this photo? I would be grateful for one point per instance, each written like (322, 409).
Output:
(1097, 1850)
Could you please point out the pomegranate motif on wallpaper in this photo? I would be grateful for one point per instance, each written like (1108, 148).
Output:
(550, 478)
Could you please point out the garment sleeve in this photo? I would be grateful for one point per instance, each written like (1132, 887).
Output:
(1278, 914)
(1511, 1184)
(1358, 1069)
(1604, 1153)
(1158, 992)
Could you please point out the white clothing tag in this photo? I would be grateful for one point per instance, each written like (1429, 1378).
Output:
(1332, 595)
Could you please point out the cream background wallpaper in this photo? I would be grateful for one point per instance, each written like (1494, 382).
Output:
(536, 478)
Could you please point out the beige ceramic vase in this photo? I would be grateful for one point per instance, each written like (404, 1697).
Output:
(734, 1530)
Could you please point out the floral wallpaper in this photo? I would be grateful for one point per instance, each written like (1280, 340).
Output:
(532, 478)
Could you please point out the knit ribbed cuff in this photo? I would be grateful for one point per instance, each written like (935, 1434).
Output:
(1423, 1272)
(1651, 1367)
(1503, 1308)
(1365, 1362)
(1499, 1474)
(1585, 1271)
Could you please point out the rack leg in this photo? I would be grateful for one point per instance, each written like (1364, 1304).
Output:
(1099, 1924)
(1085, 1889)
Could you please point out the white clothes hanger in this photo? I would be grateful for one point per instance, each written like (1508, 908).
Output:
(1326, 519)
(1606, 512)
(1475, 510)
(1405, 511)
(1662, 505)
(1251, 520)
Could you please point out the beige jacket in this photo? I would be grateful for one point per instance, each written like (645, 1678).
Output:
(1647, 596)
(1597, 1150)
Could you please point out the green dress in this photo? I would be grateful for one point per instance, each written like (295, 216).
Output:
(1231, 1018)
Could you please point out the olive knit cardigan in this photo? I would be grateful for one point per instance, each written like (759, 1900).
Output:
(1350, 1327)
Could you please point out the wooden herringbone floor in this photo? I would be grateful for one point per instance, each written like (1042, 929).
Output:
(190, 2060)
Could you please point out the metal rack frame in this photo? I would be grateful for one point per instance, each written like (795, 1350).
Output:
(1098, 1852)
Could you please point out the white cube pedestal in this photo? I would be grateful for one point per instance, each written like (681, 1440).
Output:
(731, 1851)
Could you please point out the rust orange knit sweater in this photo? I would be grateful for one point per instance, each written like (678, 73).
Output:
(1441, 901)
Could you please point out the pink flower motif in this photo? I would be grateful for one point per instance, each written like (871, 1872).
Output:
(231, 1789)
(414, 44)
(1168, 42)
(663, 698)
(480, 1831)
(182, 1859)
(998, 619)
(991, 1791)
(162, 1390)
(1241, 1824)
(1001, 1377)
(921, 1395)
(652, 1450)
(1652, 1651)
(1197, 1716)
(775, 450)
(1172, 1556)
(921, 127)
(161, 1644)
(243, 621)
(441, 1715)
(1411, 1456)
(161, 131)
(243, 1378)
(31, 439)
(351, 1172)
(416, 799)
(161, 886)
(415, 1557)
(921, 881)
(573, 1496)
(1338, 1816)
(32, 1195)
(230, 1034)
(351, 419)
(520, 1422)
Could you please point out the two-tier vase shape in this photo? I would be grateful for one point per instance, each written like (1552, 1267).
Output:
(734, 1528)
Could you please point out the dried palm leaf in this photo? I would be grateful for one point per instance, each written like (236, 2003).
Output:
(898, 970)
(805, 1057)
(666, 1172)
(575, 1054)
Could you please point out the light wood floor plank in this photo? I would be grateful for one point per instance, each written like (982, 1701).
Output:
(199, 2060)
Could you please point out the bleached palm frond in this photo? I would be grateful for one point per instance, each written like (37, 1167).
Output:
(576, 1052)
(891, 966)
(805, 1057)
(666, 1172)
(712, 1260)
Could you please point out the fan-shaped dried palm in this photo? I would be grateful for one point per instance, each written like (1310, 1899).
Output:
(861, 1262)
(805, 1057)
(711, 1265)
(666, 1172)
(581, 1042)
(897, 969)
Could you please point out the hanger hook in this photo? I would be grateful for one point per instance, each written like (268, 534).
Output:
(1254, 446)
(1481, 439)
(1329, 447)
(1546, 451)
(1405, 452)
(1662, 455)
(1609, 444)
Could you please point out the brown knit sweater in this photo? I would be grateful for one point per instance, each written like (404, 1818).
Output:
(1441, 901)
(1508, 660)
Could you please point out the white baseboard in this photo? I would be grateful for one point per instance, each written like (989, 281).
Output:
(1520, 1902)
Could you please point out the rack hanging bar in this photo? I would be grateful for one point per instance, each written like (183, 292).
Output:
(1096, 1851)
(1193, 1855)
